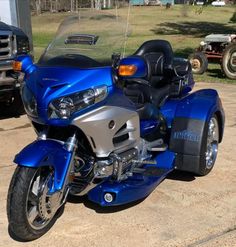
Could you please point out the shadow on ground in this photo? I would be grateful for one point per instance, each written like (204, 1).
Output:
(99, 209)
(216, 73)
(181, 176)
(5, 114)
(197, 29)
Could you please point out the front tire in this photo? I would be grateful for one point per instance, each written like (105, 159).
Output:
(28, 204)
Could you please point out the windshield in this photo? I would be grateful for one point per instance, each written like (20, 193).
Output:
(91, 38)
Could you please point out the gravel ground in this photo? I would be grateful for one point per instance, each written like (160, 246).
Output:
(182, 211)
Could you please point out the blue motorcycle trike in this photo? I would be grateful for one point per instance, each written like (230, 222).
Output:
(108, 126)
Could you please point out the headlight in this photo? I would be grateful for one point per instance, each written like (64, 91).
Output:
(203, 43)
(29, 101)
(64, 107)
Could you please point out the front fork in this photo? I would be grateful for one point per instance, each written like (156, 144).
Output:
(71, 146)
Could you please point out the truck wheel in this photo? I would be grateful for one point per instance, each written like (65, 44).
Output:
(198, 62)
(30, 209)
(15, 107)
(229, 61)
(209, 147)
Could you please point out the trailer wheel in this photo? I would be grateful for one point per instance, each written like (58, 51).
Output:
(229, 61)
(198, 62)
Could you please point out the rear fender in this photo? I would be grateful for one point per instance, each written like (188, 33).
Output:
(46, 153)
(188, 119)
(199, 105)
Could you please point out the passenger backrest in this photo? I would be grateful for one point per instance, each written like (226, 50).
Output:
(155, 66)
(159, 57)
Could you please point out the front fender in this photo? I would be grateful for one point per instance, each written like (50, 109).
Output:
(46, 153)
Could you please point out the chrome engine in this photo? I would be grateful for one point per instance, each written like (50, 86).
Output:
(121, 165)
(117, 165)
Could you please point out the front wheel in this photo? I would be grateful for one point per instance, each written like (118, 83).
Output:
(31, 208)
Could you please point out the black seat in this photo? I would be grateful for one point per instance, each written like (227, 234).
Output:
(164, 74)
(141, 94)
(158, 56)
(161, 63)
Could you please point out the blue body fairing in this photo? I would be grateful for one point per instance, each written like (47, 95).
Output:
(49, 83)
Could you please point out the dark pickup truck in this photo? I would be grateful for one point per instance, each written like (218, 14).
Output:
(13, 42)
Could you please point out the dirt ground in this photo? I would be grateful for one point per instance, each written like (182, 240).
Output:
(182, 211)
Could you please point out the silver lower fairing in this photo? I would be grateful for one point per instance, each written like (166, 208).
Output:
(110, 129)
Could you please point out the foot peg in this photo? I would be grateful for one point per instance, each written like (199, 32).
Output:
(151, 171)
(155, 172)
(159, 148)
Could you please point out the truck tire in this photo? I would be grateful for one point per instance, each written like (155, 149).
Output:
(15, 107)
(198, 62)
(209, 147)
(228, 64)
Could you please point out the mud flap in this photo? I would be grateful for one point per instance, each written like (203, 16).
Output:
(187, 141)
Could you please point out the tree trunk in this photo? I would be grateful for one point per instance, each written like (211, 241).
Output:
(71, 5)
(92, 4)
(38, 7)
(51, 6)
(97, 4)
(76, 6)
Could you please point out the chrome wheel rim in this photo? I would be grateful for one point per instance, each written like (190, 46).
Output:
(232, 62)
(39, 209)
(212, 143)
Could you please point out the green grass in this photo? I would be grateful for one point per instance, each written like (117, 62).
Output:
(183, 26)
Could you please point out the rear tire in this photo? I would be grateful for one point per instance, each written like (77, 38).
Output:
(20, 205)
(209, 148)
(228, 64)
(198, 62)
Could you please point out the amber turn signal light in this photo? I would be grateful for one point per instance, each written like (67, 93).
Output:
(127, 70)
(17, 66)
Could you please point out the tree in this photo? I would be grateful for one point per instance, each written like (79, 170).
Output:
(38, 7)
(233, 18)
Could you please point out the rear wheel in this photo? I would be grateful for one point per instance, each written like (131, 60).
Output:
(229, 61)
(209, 146)
(198, 62)
(30, 207)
